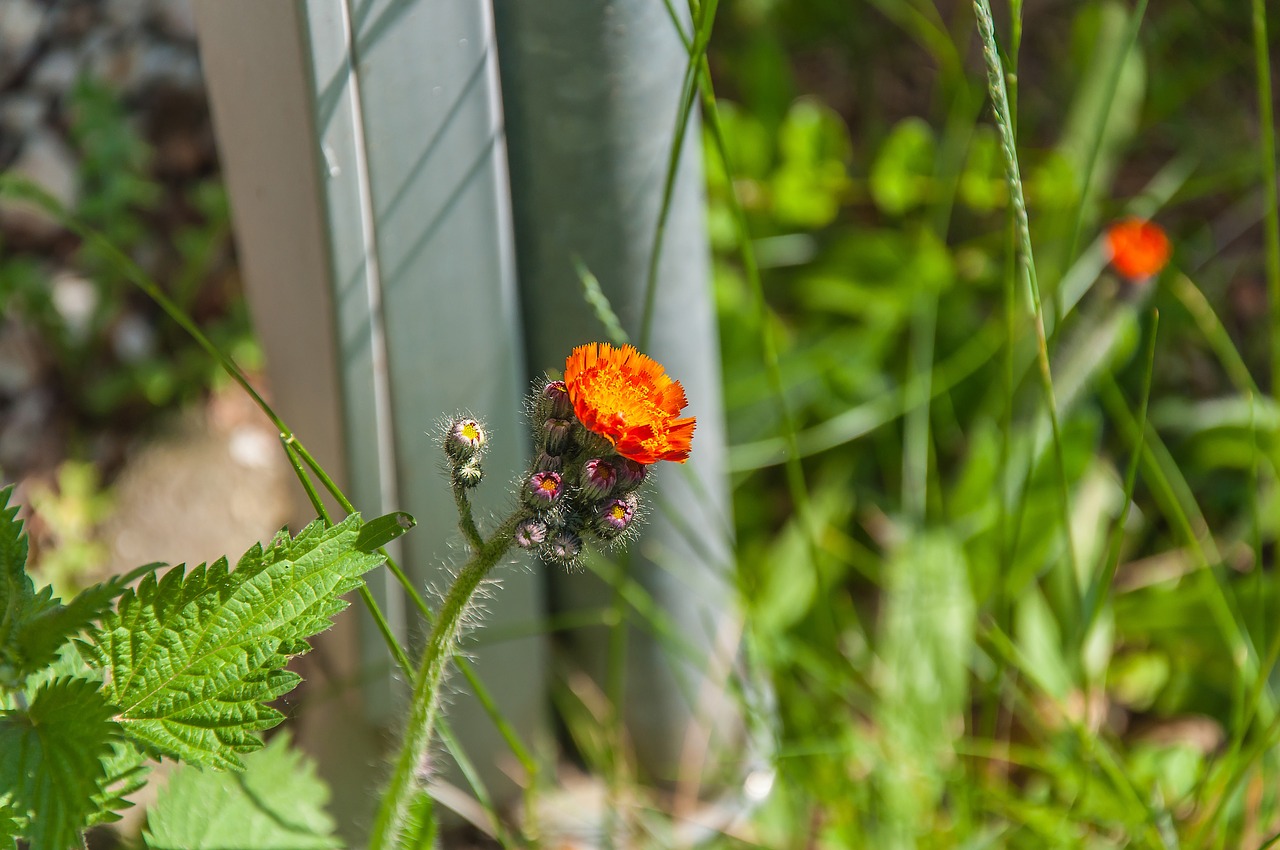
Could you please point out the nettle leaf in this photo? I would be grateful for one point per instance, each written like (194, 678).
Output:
(33, 624)
(192, 659)
(277, 803)
(51, 761)
(125, 771)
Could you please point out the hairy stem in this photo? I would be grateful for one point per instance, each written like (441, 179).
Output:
(406, 778)
(466, 519)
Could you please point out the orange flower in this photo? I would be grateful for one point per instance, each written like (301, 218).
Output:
(1139, 249)
(626, 397)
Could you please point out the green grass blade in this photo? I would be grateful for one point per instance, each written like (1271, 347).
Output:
(1063, 574)
(1100, 586)
(1267, 153)
(1098, 126)
(704, 20)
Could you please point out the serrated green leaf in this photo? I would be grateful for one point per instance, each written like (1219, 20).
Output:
(35, 625)
(277, 803)
(125, 771)
(192, 659)
(50, 761)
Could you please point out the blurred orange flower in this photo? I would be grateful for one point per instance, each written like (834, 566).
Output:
(1139, 248)
(626, 397)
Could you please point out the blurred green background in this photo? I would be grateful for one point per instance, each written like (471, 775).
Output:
(979, 634)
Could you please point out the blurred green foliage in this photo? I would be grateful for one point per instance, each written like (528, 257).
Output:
(116, 360)
(939, 684)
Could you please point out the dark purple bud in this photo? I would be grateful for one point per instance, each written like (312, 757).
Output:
(598, 478)
(564, 547)
(530, 533)
(631, 474)
(544, 489)
(559, 434)
(547, 463)
(555, 399)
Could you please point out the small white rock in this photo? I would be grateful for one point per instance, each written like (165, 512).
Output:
(20, 25)
(75, 299)
(56, 72)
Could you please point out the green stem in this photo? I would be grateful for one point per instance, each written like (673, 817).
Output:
(293, 451)
(1267, 150)
(1100, 587)
(703, 21)
(466, 521)
(1064, 576)
(407, 777)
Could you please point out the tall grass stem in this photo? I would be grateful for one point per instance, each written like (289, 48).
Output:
(1267, 152)
(1063, 576)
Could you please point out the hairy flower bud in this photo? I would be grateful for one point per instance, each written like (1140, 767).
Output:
(547, 463)
(543, 489)
(564, 547)
(598, 478)
(468, 473)
(616, 516)
(530, 533)
(630, 474)
(558, 433)
(464, 439)
(554, 401)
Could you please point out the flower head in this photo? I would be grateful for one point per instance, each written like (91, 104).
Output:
(1139, 248)
(627, 398)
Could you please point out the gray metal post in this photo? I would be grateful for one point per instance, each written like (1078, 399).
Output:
(362, 144)
(590, 92)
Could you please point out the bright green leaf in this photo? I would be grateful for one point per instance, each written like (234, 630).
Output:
(808, 184)
(50, 760)
(277, 803)
(377, 533)
(982, 186)
(35, 625)
(902, 175)
(191, 660)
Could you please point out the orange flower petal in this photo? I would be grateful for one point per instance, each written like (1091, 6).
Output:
(628, 398)
(1139, 249)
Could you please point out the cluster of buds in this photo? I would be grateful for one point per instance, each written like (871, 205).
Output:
(464, 442)
(595, 434)
(579, 488)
